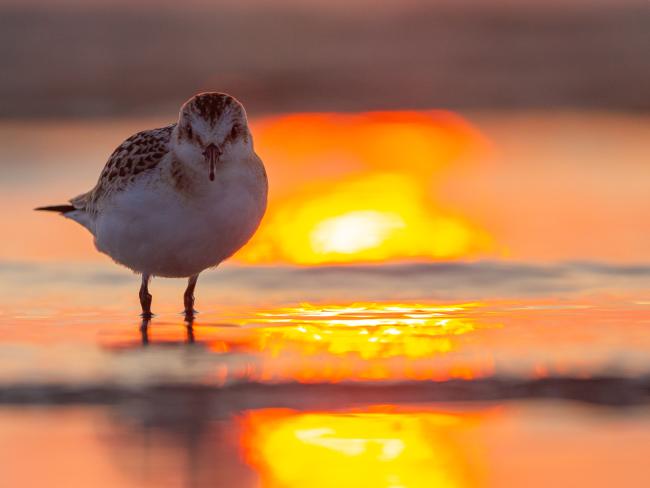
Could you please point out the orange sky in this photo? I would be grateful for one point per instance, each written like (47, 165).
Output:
(354, 188)
(386, 186)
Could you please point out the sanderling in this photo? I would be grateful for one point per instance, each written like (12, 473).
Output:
(177, 200)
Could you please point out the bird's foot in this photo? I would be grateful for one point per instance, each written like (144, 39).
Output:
(190, 314)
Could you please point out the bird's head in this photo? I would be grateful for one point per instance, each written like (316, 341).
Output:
(212, 128)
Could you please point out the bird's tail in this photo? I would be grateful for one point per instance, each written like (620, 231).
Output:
(63, 209)
(73, 213)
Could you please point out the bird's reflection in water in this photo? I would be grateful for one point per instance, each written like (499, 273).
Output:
(189, 330)
(175, 437)
(172, 434)
(144, 331)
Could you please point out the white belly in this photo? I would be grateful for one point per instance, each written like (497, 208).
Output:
(153, 229)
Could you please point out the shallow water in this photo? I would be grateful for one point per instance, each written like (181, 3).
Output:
(531, 322)
(195, 445)
(520, 358)
(541, 378)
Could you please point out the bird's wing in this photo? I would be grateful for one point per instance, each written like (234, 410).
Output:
(139, 153)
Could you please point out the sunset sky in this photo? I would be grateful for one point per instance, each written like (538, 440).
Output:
(382, 187)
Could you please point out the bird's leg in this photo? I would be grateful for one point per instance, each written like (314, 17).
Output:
(145, 297)
(188, 297)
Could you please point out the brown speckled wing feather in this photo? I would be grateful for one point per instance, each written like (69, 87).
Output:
(137, 154)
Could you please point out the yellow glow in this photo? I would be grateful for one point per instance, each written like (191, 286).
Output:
(336, 343)
(373, 218)
(374, 449)
(370, 331)
(354, 231)
(360, 188)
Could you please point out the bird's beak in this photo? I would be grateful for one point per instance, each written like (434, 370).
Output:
(212, 154)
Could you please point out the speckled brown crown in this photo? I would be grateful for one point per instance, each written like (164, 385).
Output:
(210, 106)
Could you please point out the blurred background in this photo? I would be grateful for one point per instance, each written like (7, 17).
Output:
(64, 58)
(434, 116)
(451, 284)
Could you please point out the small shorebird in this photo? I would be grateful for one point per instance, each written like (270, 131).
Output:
(177, 200)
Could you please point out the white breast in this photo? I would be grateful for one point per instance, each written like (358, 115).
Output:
(153, 228)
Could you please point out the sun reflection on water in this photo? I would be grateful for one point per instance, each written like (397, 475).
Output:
(332, 343)
(378, 447)
(358, 342)
(369, 331)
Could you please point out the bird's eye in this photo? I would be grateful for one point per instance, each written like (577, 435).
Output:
(234, 132)
(190, 134)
